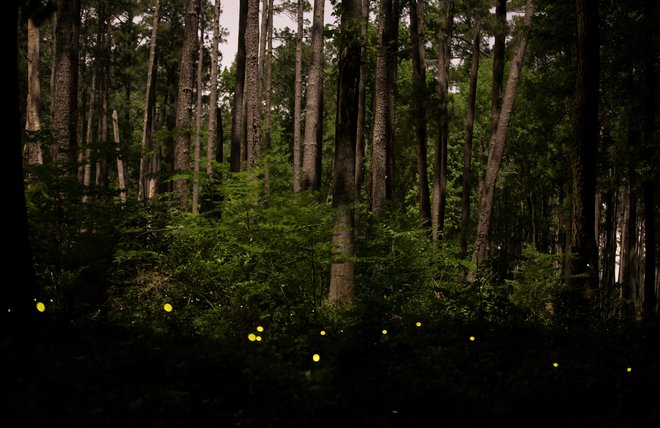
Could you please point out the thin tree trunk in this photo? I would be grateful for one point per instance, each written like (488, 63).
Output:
(496, 149)
(440, 147)
(311, 171)
(150, 98)
(32, 150)
(469, 129)
(392, 77)
(267, 96)
(253, 135)
(87, 174)
(184, 102)
(198, 121)
(121, 176)
(419, 78)
(238, 111)
(297, 102)
(213, 93)
(362, 101)
(342, 268)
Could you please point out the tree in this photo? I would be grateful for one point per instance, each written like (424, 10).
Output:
(496, 149)
(253, 116)
(198, 121)
(184, 100)
(362, 101)
(583, 262)
(311, 171)
(238, 115)
(213, 93)
(64, 98)
(121, 176)
(145, 187)
(342, 268)
(417, 38)
(297, 110)
(440, 147)
(469, 128)
(32, 149)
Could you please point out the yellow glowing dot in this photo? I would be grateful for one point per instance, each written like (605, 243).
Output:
(9, 310)
(418, 324)
(472, 338)
(555, 365)
(260, 329)
(258, 338)
(316, 358)
(252, 337)
(384, 331)
(629, 369)
(322, 332)
(41, 307)
(167, 307)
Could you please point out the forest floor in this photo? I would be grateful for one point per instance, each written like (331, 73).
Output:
(101, 375)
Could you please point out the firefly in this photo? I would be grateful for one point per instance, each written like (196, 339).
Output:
(322, 332)
(555, 365)
(418, 324)
(167, 307)
(316, 358)
(252, 337)
(472, 338)
(384, 331)
(260, 329)
(41, 307)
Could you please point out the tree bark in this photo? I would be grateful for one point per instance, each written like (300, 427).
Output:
(362, 101)
(342, 268)
(150, 98)
(496, 150)
(311, 171)
(253, 115)
(469, 129)
(32, 150)
(198, 121)
(184, 102)
(583, 263)
(121, 176)
(64, 94)
(238, 115)
(213, 93)
(268, 93)
(440, 146)
(419, 81)
(297, 101)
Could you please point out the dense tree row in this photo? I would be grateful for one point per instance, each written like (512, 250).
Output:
(501, 126)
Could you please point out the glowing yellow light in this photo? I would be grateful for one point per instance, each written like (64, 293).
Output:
(260, 329)
(252, 337)
(41, 307)
(322, 332)
(418, 324)
(316, 358)
(167, 307)
(9, 310)
(555, 365)
(629, 369)
(472, 338)
(384, 331)
(258, 338)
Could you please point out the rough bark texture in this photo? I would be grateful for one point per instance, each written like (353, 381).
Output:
(583, 266)
(32, 150)
(440, 146)
(253, 116)
(150, 98)
(496, 149)
(121, 176)
(311, 171)
(362, 100)
(469, 128)
(268, 92)
(498, 64)
(65, 82)
(198, 122)
(213, 93)
(418, 41)
(238, 116)
(184, 102)
(342, 269)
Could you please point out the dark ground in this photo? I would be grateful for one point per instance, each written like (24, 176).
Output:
(105, 376)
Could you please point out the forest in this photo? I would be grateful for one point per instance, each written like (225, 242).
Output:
(391, 213)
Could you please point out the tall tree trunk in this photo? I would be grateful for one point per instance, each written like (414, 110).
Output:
(121, 176)
(253, 117)
(498, 64)
(150, 98)
(213, 93)
(297, 102)
(440, 146)
(419, 111)
(238, 114)
(184, 102)
(362, 101)
(198, 121)
(64, 94)
(583, 263)
(469, 129)
(311, 171)
(392, 77)
(382, 126)
(32, 150)
(89, 137)
(496, 149)
(342, 268)
(267, 96)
